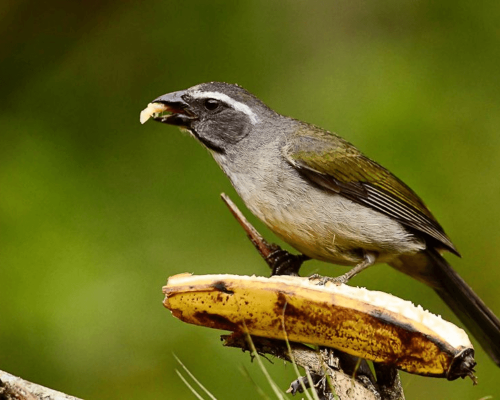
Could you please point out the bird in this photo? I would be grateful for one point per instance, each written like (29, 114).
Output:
(323, 196)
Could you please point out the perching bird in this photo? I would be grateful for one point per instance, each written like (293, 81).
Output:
(320, 194)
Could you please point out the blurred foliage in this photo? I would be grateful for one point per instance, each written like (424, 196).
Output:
(96, 211)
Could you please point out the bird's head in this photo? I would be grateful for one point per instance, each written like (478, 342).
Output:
(218, 114)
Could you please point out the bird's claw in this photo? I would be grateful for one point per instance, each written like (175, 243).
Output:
(285, 263)
(322, 280)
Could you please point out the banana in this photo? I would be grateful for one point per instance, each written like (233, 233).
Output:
(372, 325)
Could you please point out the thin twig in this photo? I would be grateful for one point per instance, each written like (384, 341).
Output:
(264, 248)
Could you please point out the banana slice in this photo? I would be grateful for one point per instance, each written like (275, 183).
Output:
(152, 108)
(372, 325)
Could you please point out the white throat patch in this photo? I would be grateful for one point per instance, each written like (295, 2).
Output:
(228, 100)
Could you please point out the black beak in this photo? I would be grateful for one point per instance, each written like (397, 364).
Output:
(181, 115)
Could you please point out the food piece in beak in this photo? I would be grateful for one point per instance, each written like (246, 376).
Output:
(152, 108)
(178, 110)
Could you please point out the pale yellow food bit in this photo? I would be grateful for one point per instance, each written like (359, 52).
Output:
(152, 108)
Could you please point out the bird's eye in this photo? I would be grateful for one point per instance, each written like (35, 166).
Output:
(211, 104)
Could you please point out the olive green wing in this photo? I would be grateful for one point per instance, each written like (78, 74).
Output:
(334, 164)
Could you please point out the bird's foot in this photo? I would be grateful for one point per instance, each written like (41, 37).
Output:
(284, 263)
(369, 259)
(322, 280)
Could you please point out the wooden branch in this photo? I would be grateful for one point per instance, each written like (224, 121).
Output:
(323, 365)
(389, 382)
(15, 388)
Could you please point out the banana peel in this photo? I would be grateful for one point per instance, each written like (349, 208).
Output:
(372, 325)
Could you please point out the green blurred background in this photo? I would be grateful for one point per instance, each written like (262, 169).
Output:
(96, 211)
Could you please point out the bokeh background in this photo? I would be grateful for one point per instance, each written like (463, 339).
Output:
(96, 211)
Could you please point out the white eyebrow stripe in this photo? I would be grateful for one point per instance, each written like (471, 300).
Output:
(225, 98)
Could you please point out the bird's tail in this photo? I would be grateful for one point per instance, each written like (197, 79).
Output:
(431, 268)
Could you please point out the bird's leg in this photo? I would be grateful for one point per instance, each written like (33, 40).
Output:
(369, 259)
(284, 263)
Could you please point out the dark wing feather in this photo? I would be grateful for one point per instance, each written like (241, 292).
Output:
(334, 164)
